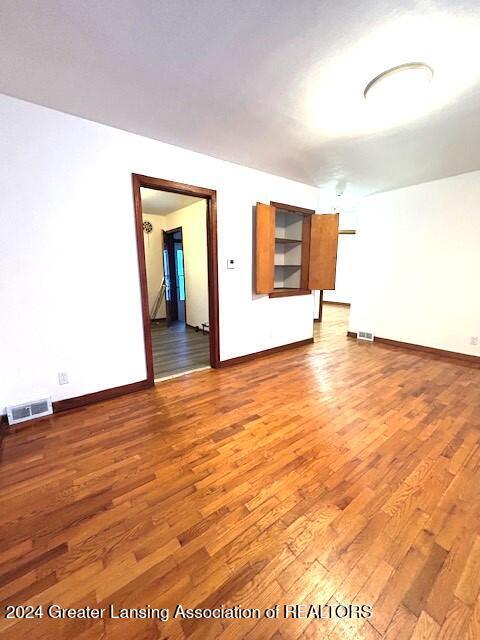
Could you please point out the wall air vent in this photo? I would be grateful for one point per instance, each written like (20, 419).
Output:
(29, 410)
(365, 335)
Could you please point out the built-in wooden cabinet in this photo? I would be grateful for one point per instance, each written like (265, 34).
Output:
(296, 251)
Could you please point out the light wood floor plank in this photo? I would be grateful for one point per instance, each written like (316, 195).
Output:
(336, 473)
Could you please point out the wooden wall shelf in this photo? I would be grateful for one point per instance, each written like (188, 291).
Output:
(282, 293)
(296, 251)
(287, 241)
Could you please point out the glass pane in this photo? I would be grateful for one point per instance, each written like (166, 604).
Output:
(180, 275)
(181, 287)
(166, 271)
(180, 262)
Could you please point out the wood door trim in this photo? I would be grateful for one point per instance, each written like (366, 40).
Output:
(173, 232)
(142, 271)
(168, 246)
(210, 195)
(167, 308)
(167, 305)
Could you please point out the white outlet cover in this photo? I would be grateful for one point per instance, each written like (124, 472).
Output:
(63, 377)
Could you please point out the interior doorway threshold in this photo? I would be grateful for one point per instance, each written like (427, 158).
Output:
(182, 373)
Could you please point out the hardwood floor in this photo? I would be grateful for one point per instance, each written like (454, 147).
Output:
(333, 328)
(333, 473)
(178, 348)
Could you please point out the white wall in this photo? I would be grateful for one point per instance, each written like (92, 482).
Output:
(193, 220)
(418, 261)
(153, 243)
(70, 297)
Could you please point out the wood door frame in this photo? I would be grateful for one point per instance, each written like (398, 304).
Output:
(173, 232)
(210, 195)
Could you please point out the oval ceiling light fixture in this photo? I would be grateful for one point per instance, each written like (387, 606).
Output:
(399, 84)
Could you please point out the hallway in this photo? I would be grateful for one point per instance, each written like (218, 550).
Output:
(178, 348)
(334, 326)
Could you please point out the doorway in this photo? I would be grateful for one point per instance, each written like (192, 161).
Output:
(174, 274)
(332, 307)
(332, 320)
(180, 325)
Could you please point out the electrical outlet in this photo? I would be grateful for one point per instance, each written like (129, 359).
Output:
(474, 341)
(63, 377)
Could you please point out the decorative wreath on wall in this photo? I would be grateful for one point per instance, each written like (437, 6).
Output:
(147, 226)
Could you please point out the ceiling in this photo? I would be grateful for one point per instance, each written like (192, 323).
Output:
(271, 84)
(162, 202)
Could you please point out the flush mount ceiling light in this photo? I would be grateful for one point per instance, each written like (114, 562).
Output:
(330, 98)
(403, 82)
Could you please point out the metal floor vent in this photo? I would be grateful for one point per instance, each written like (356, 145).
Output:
(29, 410)
(365, 335)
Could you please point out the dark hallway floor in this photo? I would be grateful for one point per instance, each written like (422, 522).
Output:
(178, 348)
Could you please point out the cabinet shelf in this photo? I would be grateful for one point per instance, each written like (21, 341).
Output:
(286, 291)
(287, 241)
(294, 266)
